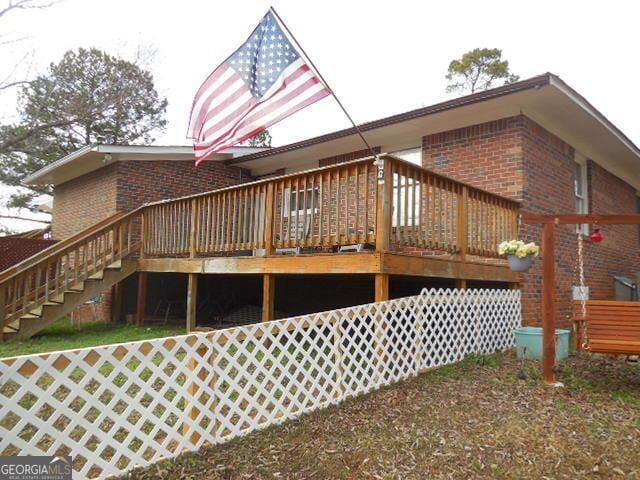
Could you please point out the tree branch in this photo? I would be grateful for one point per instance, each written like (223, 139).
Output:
(11, 142)
(25, 5)
(13, 84)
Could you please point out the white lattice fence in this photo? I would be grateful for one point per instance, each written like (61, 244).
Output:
(115, 407)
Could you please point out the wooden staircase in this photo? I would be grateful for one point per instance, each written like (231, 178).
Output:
(52, 283)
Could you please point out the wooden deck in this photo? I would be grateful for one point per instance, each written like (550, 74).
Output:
(383, 217)
(390, 206)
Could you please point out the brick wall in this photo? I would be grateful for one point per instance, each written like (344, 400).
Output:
(619, 252)
(518, 158)
(83, 202)
(123, 186)
(487, 156)
(546, 192)
(148, 181)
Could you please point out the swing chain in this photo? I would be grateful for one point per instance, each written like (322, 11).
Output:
(584, 337)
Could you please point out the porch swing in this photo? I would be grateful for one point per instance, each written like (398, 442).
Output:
(605, 326)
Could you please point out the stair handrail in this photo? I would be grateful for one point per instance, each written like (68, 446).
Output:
(68, 242)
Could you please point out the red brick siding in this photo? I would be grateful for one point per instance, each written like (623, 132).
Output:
(83, 202)
(15, 249)
(549, 166)
(518, 158)
(487, 156)
(148, 181)
(619, 252)
(123, 186)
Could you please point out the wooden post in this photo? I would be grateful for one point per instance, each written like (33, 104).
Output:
(116, 302)
(142, 298)
(463, 198)
(381, 295)
(193, 233)
(383, 204)
(192, 301)
(382, 287)
(461, 283)
(268, 296)
(269, 217)
(548, 301)
(142, 232)
(119, 252)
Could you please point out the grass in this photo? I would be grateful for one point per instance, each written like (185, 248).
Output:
(486, 417)
(63, 335)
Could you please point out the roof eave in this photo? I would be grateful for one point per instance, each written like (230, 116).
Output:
(534, 82)
(35, 177)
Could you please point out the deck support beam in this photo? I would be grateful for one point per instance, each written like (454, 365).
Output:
(268, 296)
(461, 283)
(116, 303)
(141, 304)
(382, 287)
(192, 301)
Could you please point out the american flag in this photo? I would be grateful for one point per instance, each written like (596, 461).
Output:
(261, 83)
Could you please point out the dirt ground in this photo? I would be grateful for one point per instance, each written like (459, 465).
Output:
(489, 417)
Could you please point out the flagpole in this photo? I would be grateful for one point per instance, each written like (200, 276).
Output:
(324, 81)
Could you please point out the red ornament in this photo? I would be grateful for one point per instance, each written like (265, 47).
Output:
(596, 236)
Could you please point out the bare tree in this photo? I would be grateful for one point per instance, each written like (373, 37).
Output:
(19, 73)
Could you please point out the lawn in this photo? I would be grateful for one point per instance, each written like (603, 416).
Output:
(63, 335)
(488, 417)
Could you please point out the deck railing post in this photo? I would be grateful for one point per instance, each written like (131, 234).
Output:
(193, 228)
(384, 191)
(463, 222)
(142, 233)
(269, 216)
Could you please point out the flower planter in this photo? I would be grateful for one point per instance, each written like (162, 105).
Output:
(519, 264)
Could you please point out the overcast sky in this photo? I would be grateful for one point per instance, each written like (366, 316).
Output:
(380, 57)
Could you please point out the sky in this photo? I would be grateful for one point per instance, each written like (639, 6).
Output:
(380, 57)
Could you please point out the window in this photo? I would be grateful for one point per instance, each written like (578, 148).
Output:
(581, 191)
(406, 187)
(296, 203)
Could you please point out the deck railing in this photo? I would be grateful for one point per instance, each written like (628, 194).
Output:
(44, 277)
(392, 204)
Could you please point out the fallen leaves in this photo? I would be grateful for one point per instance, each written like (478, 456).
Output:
(471, 421)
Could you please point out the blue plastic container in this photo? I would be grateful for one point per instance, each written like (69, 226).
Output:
(529, 343)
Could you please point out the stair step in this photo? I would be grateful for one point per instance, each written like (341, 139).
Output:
(64, 302)
(36, 312)
(8, 334)
(117, 265)
(76, 287)
(13, 326)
